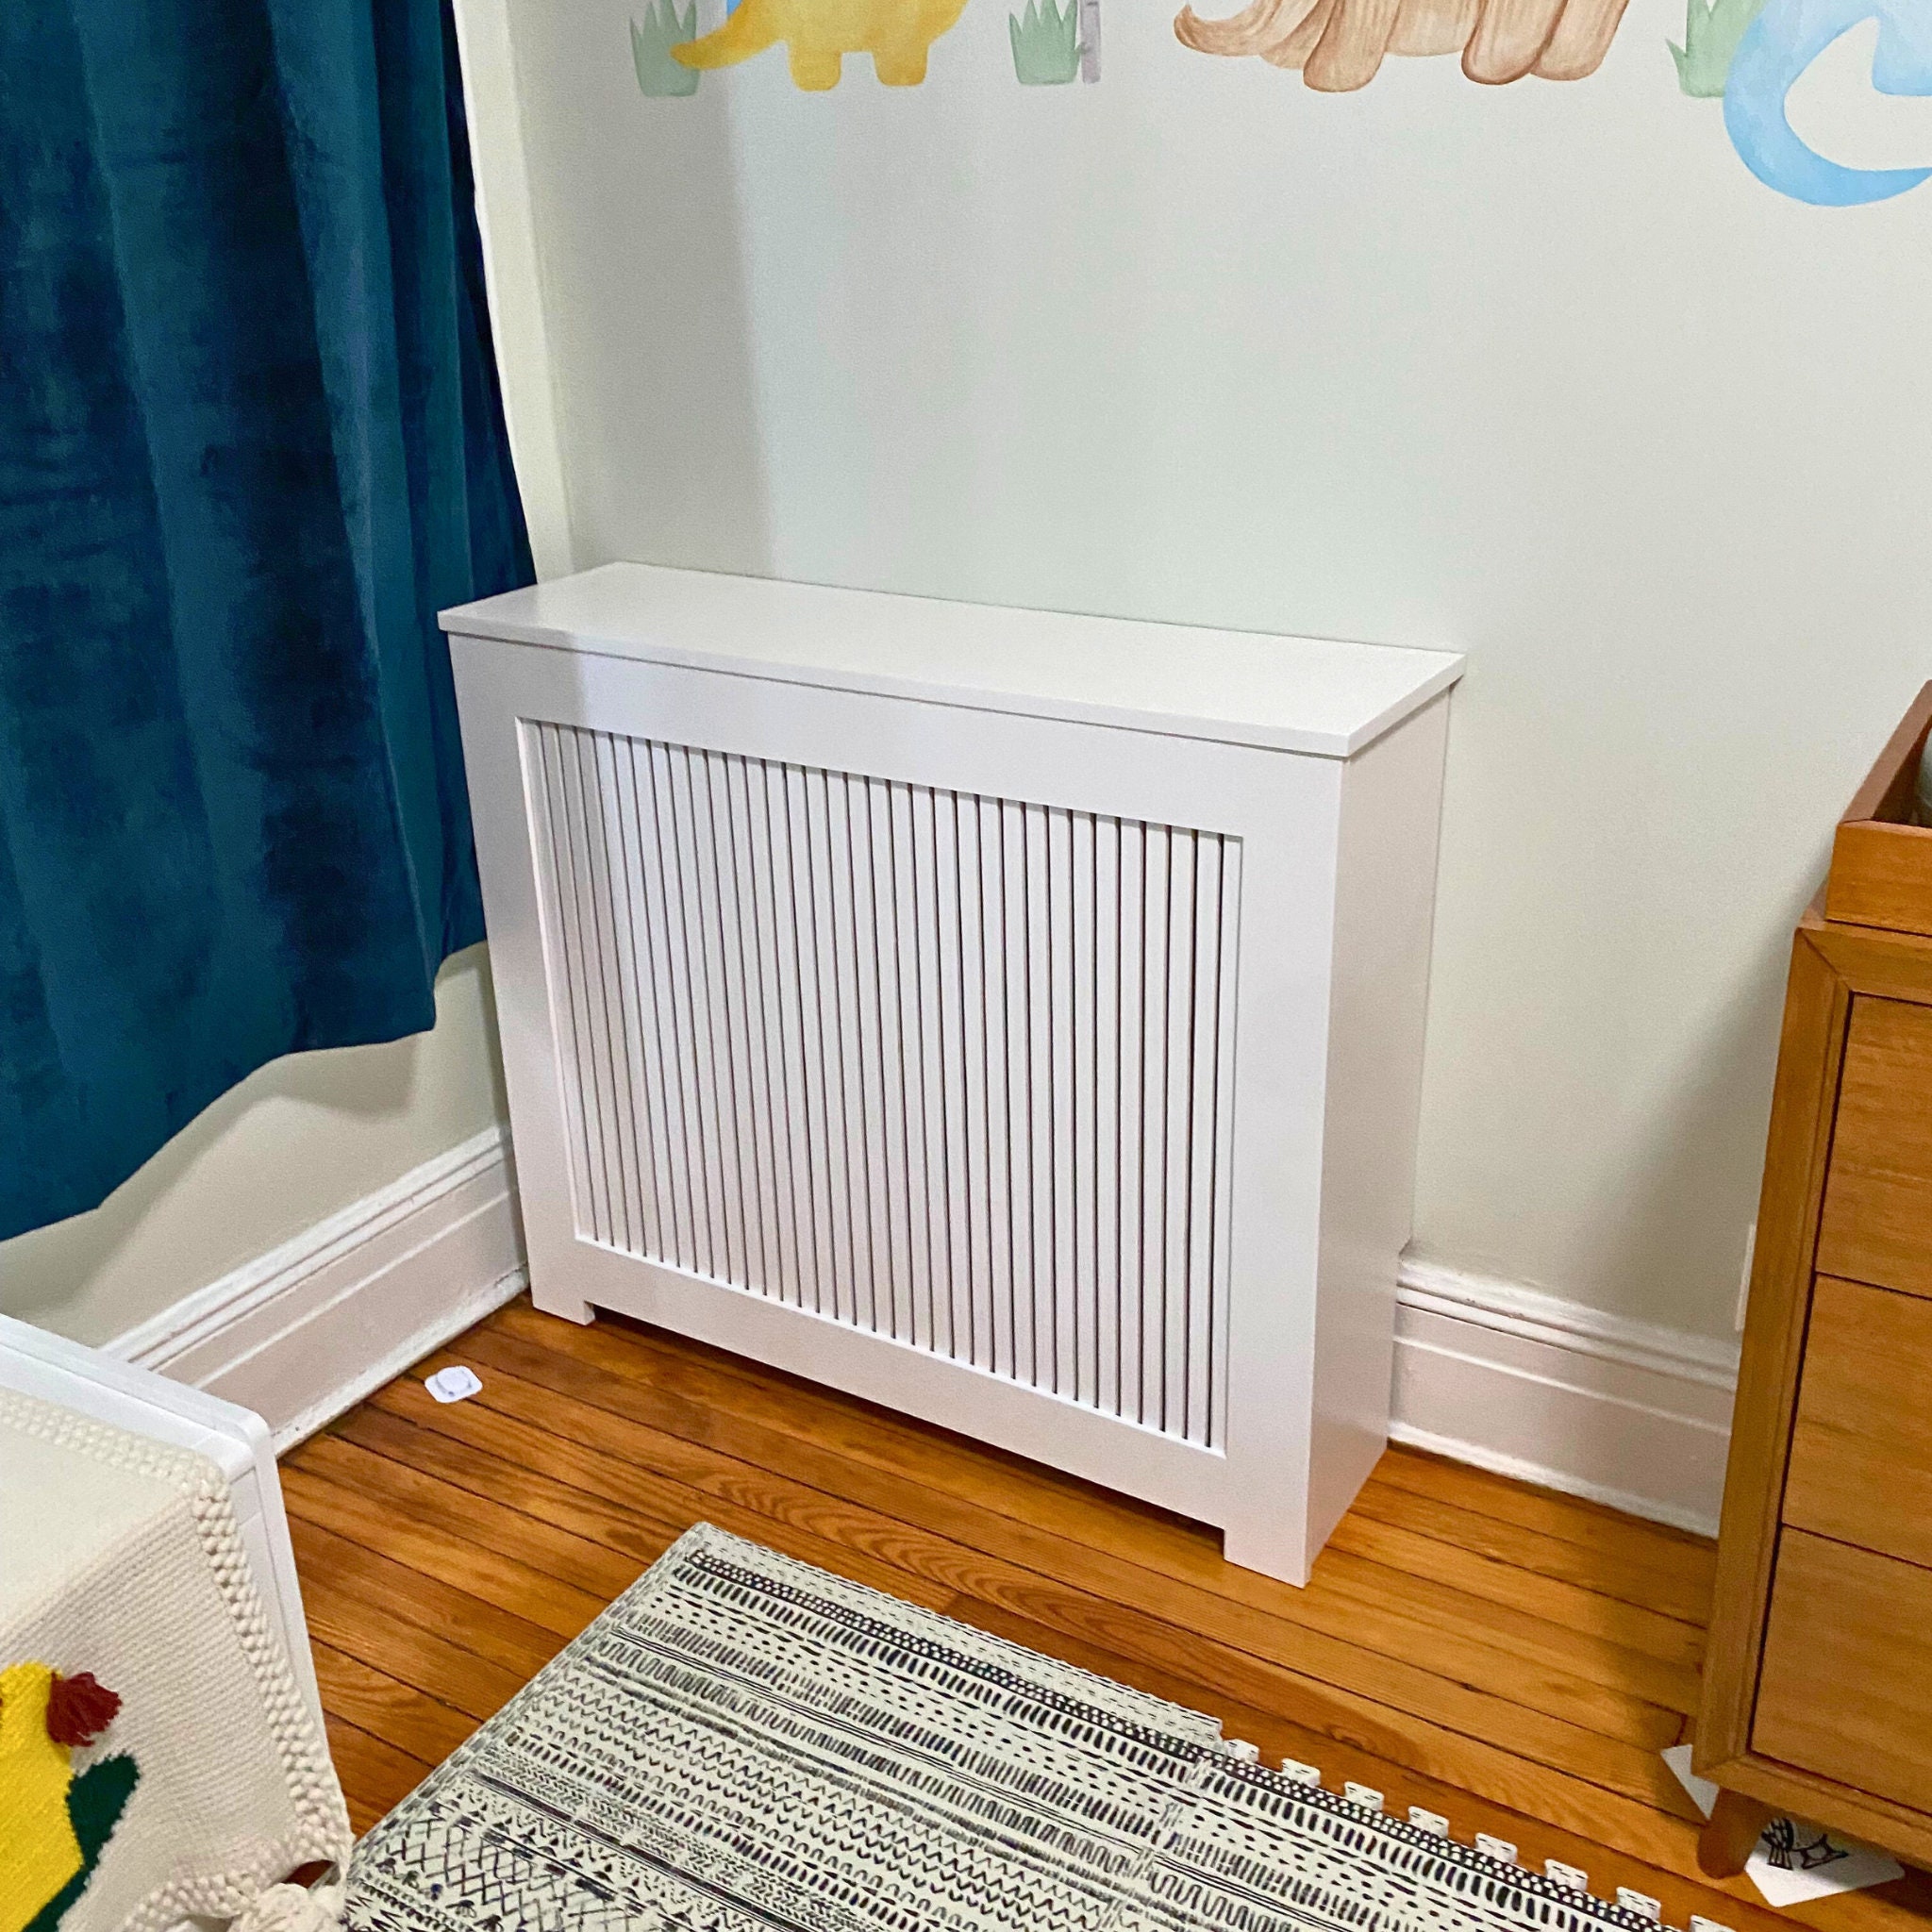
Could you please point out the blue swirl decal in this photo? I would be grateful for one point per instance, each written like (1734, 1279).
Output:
(1776, 49)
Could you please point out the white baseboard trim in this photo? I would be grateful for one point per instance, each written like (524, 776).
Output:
(304, 1332)
(1508, 1378)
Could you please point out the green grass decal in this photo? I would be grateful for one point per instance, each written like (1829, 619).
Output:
(651, 44)
(1046, 44)
(1712, 29)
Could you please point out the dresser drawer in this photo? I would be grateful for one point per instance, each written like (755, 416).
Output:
(1861, 1453)
(1877, 1221)
(1846, 1686)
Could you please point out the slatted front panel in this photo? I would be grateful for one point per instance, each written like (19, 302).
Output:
(953, 1069)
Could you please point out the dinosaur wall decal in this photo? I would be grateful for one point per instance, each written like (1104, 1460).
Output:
(818, 34)
(1773, 55)
(1339, 45)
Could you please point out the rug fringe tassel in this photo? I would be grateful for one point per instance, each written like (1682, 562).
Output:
(1571, 1878)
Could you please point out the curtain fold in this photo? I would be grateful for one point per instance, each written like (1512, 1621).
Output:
(251, 442)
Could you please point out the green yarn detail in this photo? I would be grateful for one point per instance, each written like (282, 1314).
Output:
(95, 1801)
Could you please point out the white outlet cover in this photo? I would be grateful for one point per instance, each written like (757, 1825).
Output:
(453, 1383)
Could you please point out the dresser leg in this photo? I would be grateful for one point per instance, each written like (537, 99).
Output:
(1725, 1842)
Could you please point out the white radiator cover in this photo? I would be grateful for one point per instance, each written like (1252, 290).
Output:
(1011, 1018)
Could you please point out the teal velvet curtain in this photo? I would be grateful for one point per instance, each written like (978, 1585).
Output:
(250, 442)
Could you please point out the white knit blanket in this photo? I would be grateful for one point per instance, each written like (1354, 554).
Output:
(123, 1560)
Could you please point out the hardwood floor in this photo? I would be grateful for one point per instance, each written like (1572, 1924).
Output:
(1511, 1659)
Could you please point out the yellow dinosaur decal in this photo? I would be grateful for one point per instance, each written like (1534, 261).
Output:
(818, 34)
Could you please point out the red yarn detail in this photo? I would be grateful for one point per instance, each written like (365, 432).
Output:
(79, 1708)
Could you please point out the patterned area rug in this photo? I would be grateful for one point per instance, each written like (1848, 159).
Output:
(745, 1743)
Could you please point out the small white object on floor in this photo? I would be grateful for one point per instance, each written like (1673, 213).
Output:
(1367, 1796)
(1703, 1793)
(1497, 1848)
(1571, 1877)
(1642, 1903)
(1431, 1821)
(1793, 1861)
(452, 1384)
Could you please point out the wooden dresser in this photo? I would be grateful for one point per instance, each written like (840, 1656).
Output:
(1818, 1681)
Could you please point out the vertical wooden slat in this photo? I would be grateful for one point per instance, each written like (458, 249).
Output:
(681, 1012)
(901, 984)
(798, 989)
(1003, 1182)
(868, 1033)
(1223, 1134)
(1107, 1113)
(1202, 1066)
(1065, 1023)
(640, 995)
(831, 1150)
(1131, 1139)
(1082, 1025)
(1178, 1135)
(613, 889)
(950, 879)
(846, 1071)
(983, 1082)
(952, 1068)
(718, 1003)
(564, 977)
(1037, 1122)
(759, 889)
(658, 894)
(749, 1104)
(593, 1032)
(697, 1015)
(1154, 1127)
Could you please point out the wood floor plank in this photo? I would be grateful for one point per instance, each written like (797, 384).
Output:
(1507, 1652)
(714, 1388)
(424, 1630)
(375, 1775)
(442, 1442)
(1615, 1762)
(1573, 1519)
(1654, 1587)
(1503, 1655)
(438, 1551)
(386, 1708)
(590, 1567)
(1671, 1641)
(588, 1460)
(1633, 1674)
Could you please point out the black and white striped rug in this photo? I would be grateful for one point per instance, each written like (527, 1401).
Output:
(745, 1743)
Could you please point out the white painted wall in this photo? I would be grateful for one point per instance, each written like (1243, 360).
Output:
(1539, 372)
(299, 1141)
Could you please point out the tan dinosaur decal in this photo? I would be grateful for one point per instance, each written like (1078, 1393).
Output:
(1338, 44)
(818, 34)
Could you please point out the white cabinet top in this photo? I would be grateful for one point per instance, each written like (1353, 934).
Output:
(1301, 695)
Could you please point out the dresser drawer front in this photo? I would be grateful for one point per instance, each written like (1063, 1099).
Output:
(1846, 1688)
(1877, 1221)
(1861, 1453)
